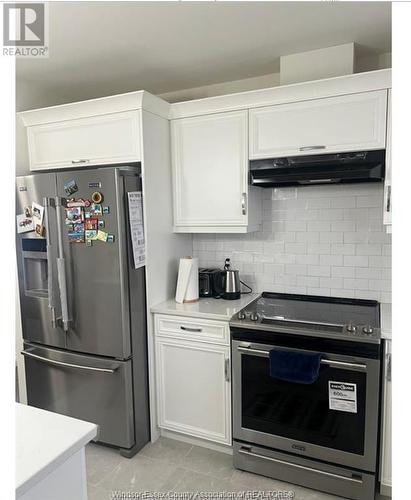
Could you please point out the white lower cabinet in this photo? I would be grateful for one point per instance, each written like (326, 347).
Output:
(193, 388)
(385, 467)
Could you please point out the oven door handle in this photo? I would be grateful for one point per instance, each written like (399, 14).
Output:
(245, 451)
(330, 362)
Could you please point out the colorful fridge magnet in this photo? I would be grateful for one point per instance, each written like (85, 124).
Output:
(37, 213)
(78, 227)
(70, 187)
(24, 224)
(101, 224)
(102, 236)
(76, 236)
(91, 234)
(95, 209)
(74, 215)
(40, 231)
(110, 238)
(80, 202)
(106, 210)
(96, 197)
(91, 224)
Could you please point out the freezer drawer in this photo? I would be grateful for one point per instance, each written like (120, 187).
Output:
(90, 388)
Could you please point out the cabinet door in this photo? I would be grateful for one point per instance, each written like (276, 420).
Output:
(388, 170)
(97, 140)
(385, 468)
(334, 124)
(194, 389)
(210, 164)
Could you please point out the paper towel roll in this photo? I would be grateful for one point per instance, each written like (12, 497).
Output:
(187, 282)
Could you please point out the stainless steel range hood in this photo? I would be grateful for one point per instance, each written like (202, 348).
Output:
(363, 166)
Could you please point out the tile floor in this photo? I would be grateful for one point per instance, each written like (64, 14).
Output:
(170, 465)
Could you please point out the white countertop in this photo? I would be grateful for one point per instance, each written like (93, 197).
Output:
(218, 309)
(44, 440)
(385, 311)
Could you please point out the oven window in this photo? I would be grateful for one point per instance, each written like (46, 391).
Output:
(299, 411)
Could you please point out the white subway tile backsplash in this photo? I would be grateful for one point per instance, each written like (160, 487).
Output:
(296, 269)
(343, 225)
(343, 249)
(355, 283)
(325, 292)
(343, 202)
(319, 248)
(331, 260)
(318, 271)
(360, 261)
(311, 281)
(344, 272)
(311, 237)
(368, 249)
(307, 259)
(318, 226)
(320, 240)
(331, 237)
(331, 282)
(296, 248)
(377, 262)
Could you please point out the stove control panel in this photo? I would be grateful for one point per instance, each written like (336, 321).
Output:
(252, 319)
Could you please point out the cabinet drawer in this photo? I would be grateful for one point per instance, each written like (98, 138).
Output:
(351, 122)
(216, 332)
(97, 140)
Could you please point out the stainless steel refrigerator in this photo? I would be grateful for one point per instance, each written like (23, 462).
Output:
(83, 307)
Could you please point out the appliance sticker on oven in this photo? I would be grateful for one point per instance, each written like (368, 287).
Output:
(342, 396)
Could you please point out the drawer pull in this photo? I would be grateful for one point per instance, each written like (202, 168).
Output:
(187, 329)
(311, 148)
(74, 162)
(247, 451)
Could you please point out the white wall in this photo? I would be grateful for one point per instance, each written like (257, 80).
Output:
(320, 240)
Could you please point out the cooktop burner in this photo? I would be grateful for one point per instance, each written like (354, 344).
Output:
(312, 315)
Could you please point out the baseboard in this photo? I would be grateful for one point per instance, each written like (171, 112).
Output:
(385, 491)
(197, 441)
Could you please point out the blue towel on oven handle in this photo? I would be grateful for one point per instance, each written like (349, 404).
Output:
(294, 366)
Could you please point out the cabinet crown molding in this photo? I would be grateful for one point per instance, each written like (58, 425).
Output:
(129, 101)
(303, 91)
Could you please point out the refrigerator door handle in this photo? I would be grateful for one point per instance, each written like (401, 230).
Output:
(61, 266)
(69, 365)
(49, 202)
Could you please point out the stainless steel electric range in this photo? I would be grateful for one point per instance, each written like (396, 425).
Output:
(323, 435)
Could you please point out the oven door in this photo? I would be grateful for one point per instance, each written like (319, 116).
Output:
(300, 418)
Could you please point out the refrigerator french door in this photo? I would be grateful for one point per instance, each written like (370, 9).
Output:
(87, 355)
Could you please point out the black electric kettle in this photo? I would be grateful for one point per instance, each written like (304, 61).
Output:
(227, 283)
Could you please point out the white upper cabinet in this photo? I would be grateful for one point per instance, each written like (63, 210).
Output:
(388, 171)
(96, 140)
(210, 173)
(351, 122)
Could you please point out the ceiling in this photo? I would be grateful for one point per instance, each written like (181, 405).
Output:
(102, 48)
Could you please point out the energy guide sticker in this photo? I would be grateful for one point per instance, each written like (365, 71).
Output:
(342, 396)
